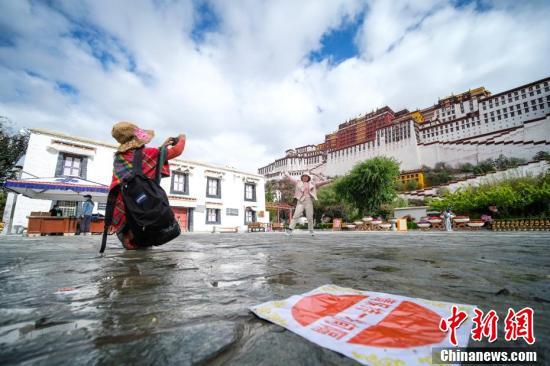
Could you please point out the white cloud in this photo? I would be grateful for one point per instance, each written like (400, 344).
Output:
(248, 91)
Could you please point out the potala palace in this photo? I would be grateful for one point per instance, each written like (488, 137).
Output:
(468, 127)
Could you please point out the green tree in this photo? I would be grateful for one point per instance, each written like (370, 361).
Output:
(284, 186)
(485, 166)
(12, 148)
(330, 203)
(269, 192)
(3, 197)
(412, 185)
(369, 184)
(502, 162)
(440, 174)
(466, 168)
(542, 155)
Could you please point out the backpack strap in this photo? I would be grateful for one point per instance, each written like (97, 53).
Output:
(138, 159)
(109, 210)
(160, 163)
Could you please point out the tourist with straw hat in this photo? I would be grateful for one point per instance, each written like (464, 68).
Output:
(305, 191)
(131, 137)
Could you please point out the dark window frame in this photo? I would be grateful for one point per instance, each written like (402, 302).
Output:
(218, 190)
(218, 216)
(185, 183)
(254, 216)
(60, 167)
(253, 199)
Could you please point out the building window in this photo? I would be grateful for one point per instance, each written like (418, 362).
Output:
(213, 187)
(232, 212)
(249, 192)
(249, 216)
(180, 183)
(71, 165)
(213, 216)
(68, 208)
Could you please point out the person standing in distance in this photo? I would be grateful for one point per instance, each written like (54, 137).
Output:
(305, 191)
(86, 219)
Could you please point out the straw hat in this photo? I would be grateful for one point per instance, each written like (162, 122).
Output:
(130, 136)
(306, 174)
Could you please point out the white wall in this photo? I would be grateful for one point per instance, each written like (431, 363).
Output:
(455, 153)
(41, 161)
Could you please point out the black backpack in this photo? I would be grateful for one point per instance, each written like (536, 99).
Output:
(148, 213)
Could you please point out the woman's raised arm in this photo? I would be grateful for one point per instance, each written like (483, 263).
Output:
(177, 149)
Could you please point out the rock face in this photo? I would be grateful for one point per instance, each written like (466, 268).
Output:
(187, 302)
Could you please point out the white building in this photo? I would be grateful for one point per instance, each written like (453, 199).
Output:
(203, 196)
(468, 127)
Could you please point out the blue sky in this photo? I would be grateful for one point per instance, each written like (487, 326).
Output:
(242, 77)
(339, 44)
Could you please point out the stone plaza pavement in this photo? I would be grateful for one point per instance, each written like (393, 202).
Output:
(187, 302)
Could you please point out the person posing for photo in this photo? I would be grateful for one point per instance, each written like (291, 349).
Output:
(305, 191)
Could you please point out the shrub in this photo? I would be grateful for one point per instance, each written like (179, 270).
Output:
(411, 225)
(516, 197)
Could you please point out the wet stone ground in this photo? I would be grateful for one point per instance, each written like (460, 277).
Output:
(187, 302)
